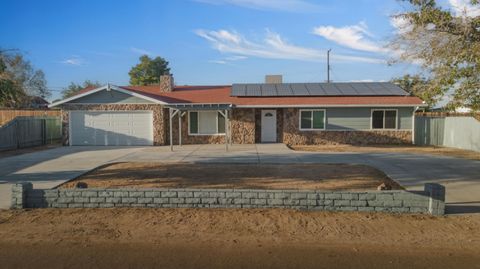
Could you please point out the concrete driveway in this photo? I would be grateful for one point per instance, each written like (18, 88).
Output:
(49, 168)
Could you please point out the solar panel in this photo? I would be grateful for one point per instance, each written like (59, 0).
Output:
(346, 88)
(315, 89)
(269, 90)
(319, 89)
(330, 89)
(299, 89)
(253, 90)
(394, 89)
(284, 89)
(238, 89)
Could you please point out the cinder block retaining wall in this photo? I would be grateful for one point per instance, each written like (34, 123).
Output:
(431, 200)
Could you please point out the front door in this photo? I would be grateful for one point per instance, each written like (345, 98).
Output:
(269, 126)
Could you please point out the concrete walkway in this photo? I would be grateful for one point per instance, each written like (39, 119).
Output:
(49, 168)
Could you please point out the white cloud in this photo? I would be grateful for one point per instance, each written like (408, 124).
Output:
(273, 46)
(73, 60)
(280, 5)
(236, 58)
(141, 51)
(218, 61)
(363, 80)
(359, 38)
(229, 60)
(352, 36)
(401, 24)
(464, 8)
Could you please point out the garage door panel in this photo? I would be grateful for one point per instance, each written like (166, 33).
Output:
(114, 128)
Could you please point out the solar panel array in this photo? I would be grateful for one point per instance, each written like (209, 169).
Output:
(318, 89)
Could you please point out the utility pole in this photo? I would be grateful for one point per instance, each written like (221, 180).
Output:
(328, 65)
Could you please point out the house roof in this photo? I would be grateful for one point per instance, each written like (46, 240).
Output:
(108, 87)
(318, 89)
(223, 95)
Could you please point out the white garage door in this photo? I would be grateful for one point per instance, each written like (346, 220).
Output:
(112, 128)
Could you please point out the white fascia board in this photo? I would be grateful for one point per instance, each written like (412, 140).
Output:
(115, 88)
(321, 106)
(77, 96)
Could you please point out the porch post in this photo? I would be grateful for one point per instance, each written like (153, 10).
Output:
(179, 128)
(230, 131)
(226, 130)
(171, 126)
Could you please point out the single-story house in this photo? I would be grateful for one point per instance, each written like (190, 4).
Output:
(290, 113)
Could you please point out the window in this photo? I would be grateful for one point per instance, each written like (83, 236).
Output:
(312, 119)
(206, 123)
(384, 119)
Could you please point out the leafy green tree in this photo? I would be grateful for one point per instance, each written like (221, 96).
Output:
(20, 81)
(10, 94)
(74, 88)
(447, 46)
(148, 71)
(417, 85)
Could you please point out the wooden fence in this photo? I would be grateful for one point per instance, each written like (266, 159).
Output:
(7, 115)
(24, 132)
(475, 115)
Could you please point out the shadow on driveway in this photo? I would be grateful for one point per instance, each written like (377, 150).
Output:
(462, 208)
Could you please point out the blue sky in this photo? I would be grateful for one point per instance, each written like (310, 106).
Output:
(205, 41)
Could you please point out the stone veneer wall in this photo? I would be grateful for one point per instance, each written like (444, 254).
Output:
(242, 124)
(293, 136)
(431, 200)
(159, 131)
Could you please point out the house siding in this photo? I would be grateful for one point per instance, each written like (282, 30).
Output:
(110, 97)
(353, 129)
(356, 119)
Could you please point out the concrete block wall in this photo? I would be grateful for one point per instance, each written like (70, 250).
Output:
(431, 200)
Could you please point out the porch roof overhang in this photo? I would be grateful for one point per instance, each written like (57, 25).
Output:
(199, 106)
(179, 109)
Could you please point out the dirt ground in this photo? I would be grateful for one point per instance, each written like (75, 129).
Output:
(262, 176)
(231, 238)
(442, 151)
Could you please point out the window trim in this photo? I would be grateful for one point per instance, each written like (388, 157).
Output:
(198, 123)
(384, 110)
(312, 129)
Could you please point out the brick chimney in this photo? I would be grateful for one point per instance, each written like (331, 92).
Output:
(274, 79)
(166, 83)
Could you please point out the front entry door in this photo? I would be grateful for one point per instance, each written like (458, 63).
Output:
(269, 126)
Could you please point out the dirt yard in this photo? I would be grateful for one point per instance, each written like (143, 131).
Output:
(442, 151)
(263, 176)
(231, 238)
